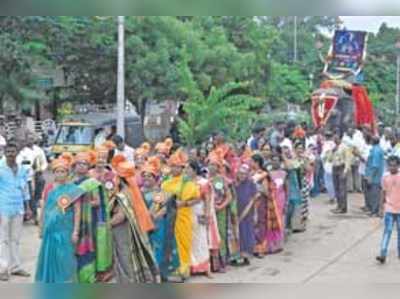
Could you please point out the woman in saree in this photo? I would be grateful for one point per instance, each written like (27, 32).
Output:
(57, 262)
(298, 196)
(305, 171)
(275, 222)
(279, 177)
(294, 197)
(246, 191)
(220, 199)
(184, 190)
(260, 178)
(266, 153)
(133, 257)
(102, 172)
(200, 257)
(228, 218)
(163, 214)
(94, 248)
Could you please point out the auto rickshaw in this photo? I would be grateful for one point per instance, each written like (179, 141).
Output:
(79, 133)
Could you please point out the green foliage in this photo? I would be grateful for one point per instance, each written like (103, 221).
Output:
(181, 58)
(288, 86)
(226, 108)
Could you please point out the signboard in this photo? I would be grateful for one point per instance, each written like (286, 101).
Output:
(347, 54)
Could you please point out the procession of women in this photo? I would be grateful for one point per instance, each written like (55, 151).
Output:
(170, 213)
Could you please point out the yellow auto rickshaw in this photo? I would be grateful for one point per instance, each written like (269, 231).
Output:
(79, 135)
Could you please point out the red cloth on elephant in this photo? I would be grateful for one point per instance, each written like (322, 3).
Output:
(364, 111)
(329, 104)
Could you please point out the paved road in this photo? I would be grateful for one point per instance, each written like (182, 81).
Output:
(334, 249)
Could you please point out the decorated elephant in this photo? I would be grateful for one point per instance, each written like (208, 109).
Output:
(341, 101)
(336, 106)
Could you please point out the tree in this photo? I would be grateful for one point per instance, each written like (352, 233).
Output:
(287, 86)
(16, 60)
(228, 108)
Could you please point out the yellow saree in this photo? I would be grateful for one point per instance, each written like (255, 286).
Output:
(184, 191)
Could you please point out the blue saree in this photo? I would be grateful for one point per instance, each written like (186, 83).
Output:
(57, 261)
(162, 239)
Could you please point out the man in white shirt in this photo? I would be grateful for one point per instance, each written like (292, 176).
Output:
(327, 147)
(124, 149)
(354, 139)
(362, 151)
(3, 142)
(34, 159)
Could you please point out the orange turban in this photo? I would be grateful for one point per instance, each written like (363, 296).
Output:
(148, 168)
(299, 133)
(68, 158)
(152, 166)
(117, 160)
(163, 148)
(146, 147)
(126, 170)
(89, 157)
(179, 158)
(109, 145)
(140, 152)
(60, 163)
(215, 158)
(155, 161)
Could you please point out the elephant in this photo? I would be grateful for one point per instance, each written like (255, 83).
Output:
(333, 109)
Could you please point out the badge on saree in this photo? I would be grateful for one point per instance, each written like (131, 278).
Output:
(64, 202)
(109, 186)
(219, 185)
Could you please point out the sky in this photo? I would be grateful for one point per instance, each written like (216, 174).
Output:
(369, 23)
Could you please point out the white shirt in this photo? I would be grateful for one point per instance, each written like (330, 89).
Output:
(128, 153)
(364, 150)
(34, 156)
(100, 139)
(348, 141)
(311, 141)
(26, 158)
(326, 148)
(3, 142)
(385, 144)
(41, 158)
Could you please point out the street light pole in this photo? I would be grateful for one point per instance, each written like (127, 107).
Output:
(121, 78)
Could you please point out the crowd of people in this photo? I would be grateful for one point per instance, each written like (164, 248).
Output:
(163, 213)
